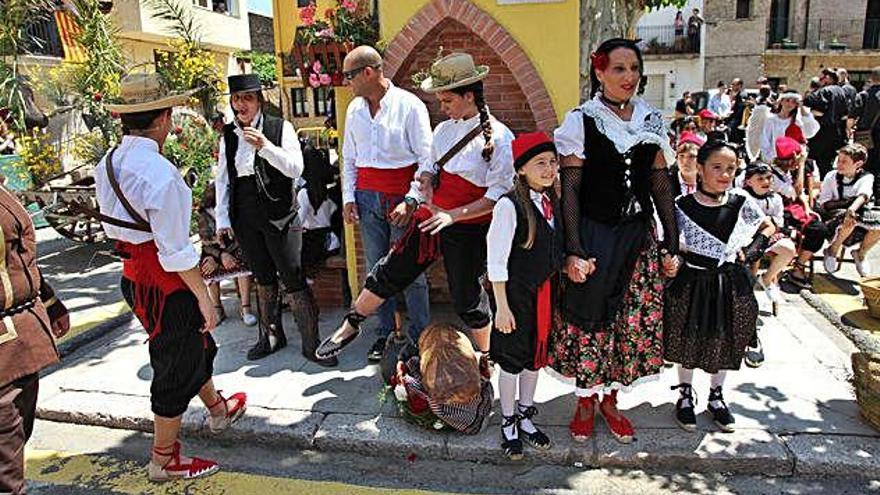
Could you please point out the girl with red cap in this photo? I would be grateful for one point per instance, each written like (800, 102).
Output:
(615, 153)
(525, 253)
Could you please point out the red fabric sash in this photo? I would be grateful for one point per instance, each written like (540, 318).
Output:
(544, 322)
(153, 284)
(455, 191)
(385, 180)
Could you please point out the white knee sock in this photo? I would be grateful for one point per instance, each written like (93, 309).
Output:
(507, 391)
(528, 382)
(685, 375)
(717, 380)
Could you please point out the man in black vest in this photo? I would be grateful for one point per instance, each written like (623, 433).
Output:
(259, 158)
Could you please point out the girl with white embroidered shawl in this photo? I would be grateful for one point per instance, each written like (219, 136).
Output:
(614, 151)
(710, 305)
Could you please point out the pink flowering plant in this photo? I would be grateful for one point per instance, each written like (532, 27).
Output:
(349, 22)
(317, 76)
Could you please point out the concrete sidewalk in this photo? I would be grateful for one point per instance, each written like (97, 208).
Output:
(795, 415)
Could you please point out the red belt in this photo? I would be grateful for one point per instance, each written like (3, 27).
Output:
(152, 284)
(455, 191)
(385, 180)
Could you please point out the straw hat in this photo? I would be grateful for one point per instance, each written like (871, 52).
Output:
(142, 92)
(453, 71)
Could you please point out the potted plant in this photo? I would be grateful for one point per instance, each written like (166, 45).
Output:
(321, 44)
(788, 44)
(836, 44)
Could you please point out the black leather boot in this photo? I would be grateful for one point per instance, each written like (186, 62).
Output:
(269, 316)
(306, 313)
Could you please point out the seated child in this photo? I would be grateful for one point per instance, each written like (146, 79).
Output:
(782, 250)
(317, 211)
(844, 194)
(221, 260)
(445, 387)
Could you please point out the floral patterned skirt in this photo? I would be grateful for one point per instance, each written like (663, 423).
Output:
(631, 347)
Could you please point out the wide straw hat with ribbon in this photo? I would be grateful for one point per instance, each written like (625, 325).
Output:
(143, 91)
(453, 71)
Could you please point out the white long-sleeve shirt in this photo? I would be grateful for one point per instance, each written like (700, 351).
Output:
(496, 175)
(499, 240)
(157, 192)
(399, 135)
(287, 158)
(775, 126)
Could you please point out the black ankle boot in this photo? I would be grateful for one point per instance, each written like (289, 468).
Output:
(684, 408)
(722, 416)
(269, 320)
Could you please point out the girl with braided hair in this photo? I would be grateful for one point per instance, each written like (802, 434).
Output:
(614, 155)
(472, 169)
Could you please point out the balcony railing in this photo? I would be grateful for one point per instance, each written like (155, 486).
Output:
(827, 34)
(663, 40)
(43, 39)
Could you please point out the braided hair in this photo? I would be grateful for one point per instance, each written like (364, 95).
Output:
(606, 47)
(479, 99)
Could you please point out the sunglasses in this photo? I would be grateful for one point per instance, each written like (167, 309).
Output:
(353, 73)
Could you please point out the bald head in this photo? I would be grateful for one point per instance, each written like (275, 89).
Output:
(362, 56)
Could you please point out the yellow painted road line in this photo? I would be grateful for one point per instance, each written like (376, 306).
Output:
(848, 306)
(80, 321)
(101, 471)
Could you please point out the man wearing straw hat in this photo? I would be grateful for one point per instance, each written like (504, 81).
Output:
(145, 206)
(387, 139)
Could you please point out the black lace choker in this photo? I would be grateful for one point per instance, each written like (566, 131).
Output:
(715, 196)
(621, 105)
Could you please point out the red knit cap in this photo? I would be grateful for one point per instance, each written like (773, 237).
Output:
(690, 137)
(787, 148)
(526, 146)
(707, 114)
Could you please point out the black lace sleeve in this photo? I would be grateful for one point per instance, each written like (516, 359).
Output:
(570, 178)
(664, 201)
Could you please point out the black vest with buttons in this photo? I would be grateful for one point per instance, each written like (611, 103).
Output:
(529, 268)
(274, 190)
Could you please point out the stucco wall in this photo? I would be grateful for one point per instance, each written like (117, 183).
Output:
(678, 75)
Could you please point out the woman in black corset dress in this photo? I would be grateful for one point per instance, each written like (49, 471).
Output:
(710, 305)
(614, 151)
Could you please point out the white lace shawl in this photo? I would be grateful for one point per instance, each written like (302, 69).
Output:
(646, 126)
(695, 239)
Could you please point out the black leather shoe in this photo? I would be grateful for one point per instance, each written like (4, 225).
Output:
(374, 355)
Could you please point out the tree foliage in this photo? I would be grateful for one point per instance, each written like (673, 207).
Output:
(16, 16)
(603, 19)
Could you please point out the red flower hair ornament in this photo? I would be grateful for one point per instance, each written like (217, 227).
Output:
(599, 60)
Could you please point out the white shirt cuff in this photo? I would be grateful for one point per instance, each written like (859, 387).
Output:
(180, 261)
(496, 272)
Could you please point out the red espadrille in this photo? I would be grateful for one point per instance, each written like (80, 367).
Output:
(620, 427)
(581, 426)
(173, 469)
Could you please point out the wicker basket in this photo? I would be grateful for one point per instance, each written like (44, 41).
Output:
(871, 290)
(866, 379)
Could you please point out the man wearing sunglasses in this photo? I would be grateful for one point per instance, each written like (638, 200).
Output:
(387, 137)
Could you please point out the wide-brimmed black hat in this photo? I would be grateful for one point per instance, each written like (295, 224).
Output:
(244, 82)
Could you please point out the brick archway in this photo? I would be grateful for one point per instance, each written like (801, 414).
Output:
(512, 71)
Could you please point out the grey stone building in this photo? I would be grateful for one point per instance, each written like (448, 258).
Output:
(262, 33)
(790, 41)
